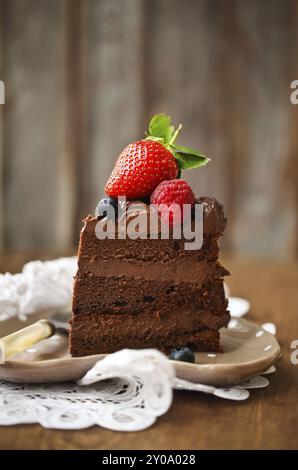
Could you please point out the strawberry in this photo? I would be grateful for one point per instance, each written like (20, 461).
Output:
(144, 164)
(140, 168)
(170, 197)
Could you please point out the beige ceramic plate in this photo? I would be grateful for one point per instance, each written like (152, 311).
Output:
(248, 350)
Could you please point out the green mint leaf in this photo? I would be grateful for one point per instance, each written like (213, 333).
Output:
(160, 126)
(188, 158)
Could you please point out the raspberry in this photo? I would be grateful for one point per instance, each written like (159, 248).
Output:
(170, 198)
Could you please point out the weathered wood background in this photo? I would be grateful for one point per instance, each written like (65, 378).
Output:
(82, 78)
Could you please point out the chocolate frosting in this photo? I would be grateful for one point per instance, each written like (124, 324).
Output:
(214, 219)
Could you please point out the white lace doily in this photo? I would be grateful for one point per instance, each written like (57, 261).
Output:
(126, 391)
(41, 285)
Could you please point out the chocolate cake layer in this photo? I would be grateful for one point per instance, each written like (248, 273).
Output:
(173, 270)
(84, 341)
(135, 296)
(154, 325)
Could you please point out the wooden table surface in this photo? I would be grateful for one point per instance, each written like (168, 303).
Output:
(267, 420)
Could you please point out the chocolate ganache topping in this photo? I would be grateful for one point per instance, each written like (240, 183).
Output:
(214, 220)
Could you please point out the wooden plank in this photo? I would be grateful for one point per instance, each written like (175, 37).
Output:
(265, 210)
(113, 91)
(75, 24)
(84, 77)
(291, 175)
(36, 180)
(1, 132)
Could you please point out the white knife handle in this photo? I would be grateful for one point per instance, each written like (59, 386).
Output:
(22, 339)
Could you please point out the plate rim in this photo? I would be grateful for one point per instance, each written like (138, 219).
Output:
(59, 361)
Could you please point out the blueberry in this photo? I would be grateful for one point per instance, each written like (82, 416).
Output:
(107, 207)
(182, 354)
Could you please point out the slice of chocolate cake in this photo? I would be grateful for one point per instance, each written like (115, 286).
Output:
(149, 292)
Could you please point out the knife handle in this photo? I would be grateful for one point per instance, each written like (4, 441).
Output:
(24, 338)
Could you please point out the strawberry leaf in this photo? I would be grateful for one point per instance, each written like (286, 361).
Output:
(188, 158)
(161, 130)
(161, 127)
(155, 139)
